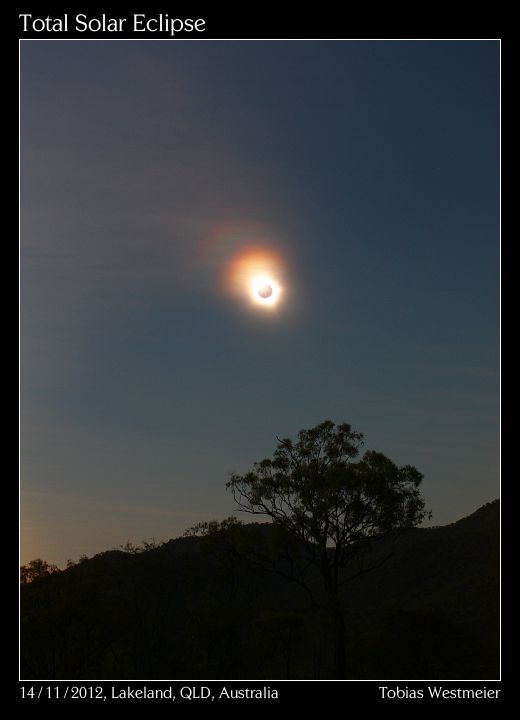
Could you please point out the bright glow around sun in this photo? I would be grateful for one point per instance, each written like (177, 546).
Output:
(255, 274)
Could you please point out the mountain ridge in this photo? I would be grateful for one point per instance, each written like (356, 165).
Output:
(183, 610)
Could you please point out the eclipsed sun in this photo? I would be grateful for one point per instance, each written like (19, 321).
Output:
(255, 274)
(264, 290)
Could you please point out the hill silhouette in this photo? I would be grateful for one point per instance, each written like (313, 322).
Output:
(189, 609)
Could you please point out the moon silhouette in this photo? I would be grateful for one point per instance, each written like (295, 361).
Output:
(265, 291)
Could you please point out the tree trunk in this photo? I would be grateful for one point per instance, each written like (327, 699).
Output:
(340, 655)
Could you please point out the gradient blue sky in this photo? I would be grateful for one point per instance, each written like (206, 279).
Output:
(372, 167)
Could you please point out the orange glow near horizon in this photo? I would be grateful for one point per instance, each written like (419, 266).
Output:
(255, 273)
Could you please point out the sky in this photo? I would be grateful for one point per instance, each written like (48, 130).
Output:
(370, 169)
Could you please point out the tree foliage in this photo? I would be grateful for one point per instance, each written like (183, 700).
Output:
(317, 490)
(36, 570)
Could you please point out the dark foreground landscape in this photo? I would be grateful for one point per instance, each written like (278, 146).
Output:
(196, 608)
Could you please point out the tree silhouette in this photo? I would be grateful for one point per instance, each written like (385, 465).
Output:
(332, 505)
(35, 570)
